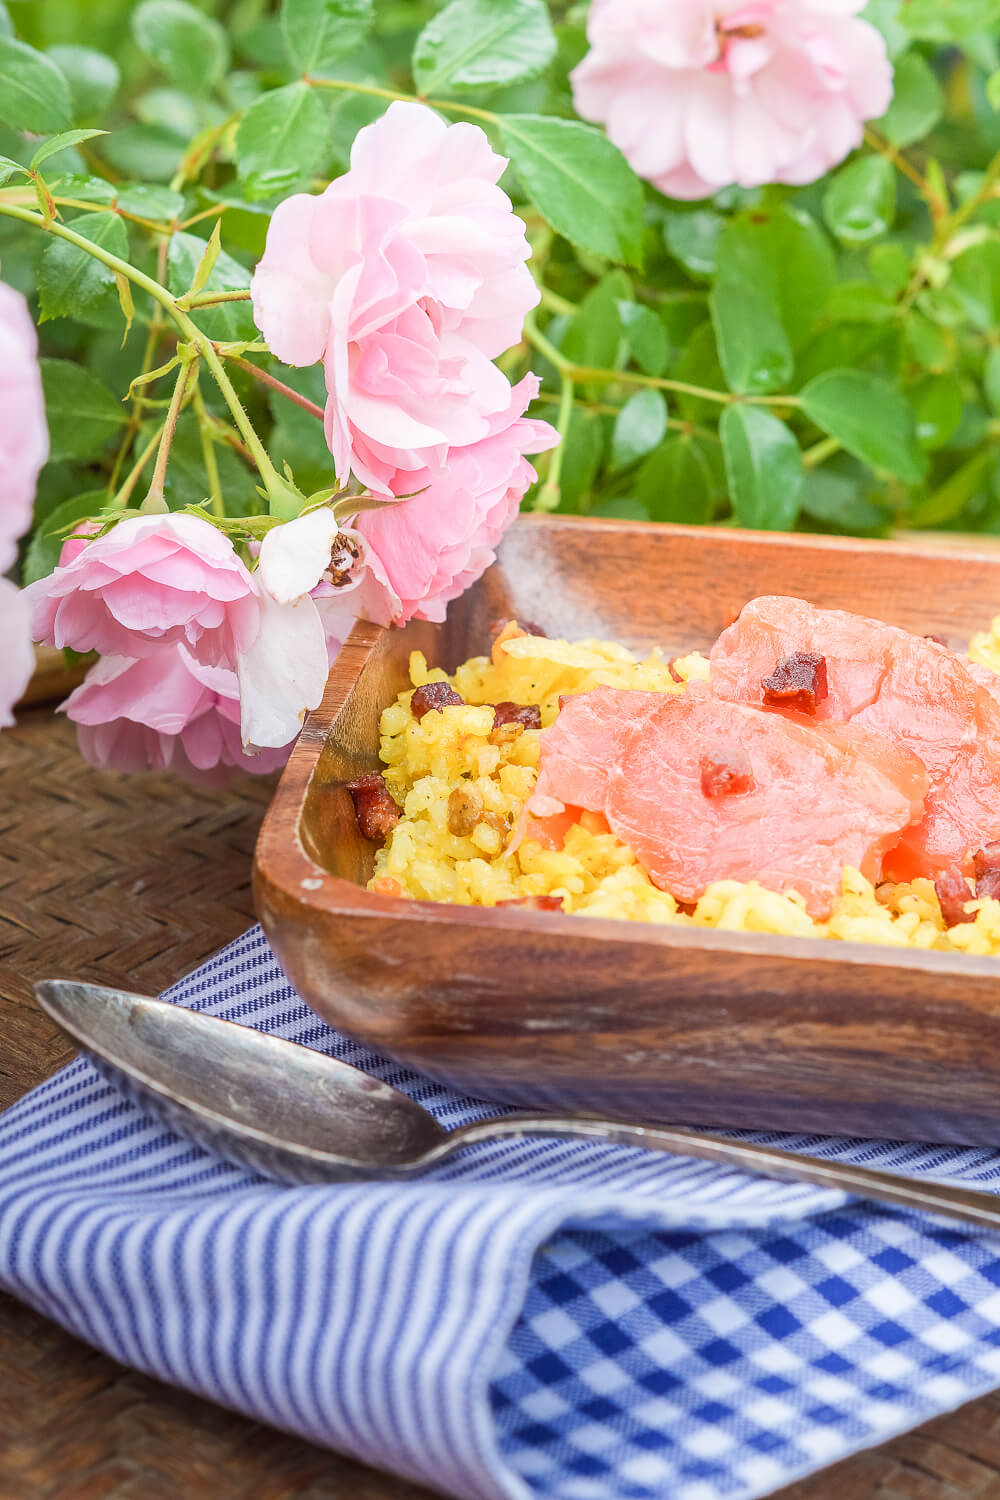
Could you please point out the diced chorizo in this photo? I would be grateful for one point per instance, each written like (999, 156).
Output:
(986, 863)
(434, 696)
(728, 777)
(529, 715)
(798, 681)
(952, 893)
(374, 805)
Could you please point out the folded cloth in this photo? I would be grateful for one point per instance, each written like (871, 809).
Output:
(567, 1320)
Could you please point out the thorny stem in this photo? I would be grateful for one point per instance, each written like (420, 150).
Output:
(633, 377)
(378, 93)
(548, 495)
(895, 156)
(208, 452)
(121, 499)
(209, 299)
(820, 452)
(154, 499)
(152, 338)
(274, 384)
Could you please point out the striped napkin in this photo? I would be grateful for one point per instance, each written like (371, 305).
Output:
(572, 1321)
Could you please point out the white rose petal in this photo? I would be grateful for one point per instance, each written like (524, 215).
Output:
(283, 673)
(295, 555)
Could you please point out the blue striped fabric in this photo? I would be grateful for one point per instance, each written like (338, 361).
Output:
(537, 1319)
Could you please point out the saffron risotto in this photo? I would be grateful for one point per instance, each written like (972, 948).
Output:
(461, 786)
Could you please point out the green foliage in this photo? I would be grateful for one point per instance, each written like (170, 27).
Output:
(34, 94)
(822, 356)
(83, 414)
(477, 44)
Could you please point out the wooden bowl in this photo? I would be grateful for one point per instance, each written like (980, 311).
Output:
(642, 1021)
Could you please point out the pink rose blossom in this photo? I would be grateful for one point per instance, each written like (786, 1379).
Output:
(24, 436)
(159, 582)
(151, 581)
(17, 661)
(434, 545)
(406, 276)
(166, 712)
(700, 94)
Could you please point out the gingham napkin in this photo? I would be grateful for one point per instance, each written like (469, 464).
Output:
(538, 1319)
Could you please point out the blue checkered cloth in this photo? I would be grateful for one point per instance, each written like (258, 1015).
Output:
(567, 1321)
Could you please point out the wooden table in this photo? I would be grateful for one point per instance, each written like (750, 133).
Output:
(135, 882)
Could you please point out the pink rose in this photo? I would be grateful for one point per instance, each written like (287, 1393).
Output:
(166, 712)
(699, 94)
(17, 661)
(431, 547)
(162, 581)
(24, 436)
(411, 558)
(407, 278)
(151, 581)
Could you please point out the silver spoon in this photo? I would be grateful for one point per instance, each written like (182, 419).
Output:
(300, 1116)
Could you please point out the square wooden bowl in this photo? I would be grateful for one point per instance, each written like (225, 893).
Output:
(641, 1021)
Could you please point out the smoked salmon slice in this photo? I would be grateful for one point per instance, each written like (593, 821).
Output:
(706, 790)
(913, 690)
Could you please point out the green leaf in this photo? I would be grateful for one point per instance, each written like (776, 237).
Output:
(594, 336)
(71, 282)
(917, 102)
(950, 20)
(699, 365)
(860, 302)
(57, 143)
(583, 451)
(763, 467)
(868, 418)
(937, 407)
(189, 46)
(884, 16)
(8, 168)
(890, 265)
(860, 203)
(784, 251)
(991, 378)
(6, 24)
(926, 344)
(83, 415)
(693, 238)
(835, 500)
(646, 337)
(45, 546)
(620, 508)
(753, 347)
(579, 182)
(93, 78)
(975, 277)
(674, 483)
(150, 201)
(640, 426)
(477, 44)
(34, 95)
(993, 90)
(230, 320)
(950, 498)
(282, 141)
(319, 32)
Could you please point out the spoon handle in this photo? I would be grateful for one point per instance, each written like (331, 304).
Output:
(969, 1204)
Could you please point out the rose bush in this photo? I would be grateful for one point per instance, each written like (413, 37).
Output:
(352, 265)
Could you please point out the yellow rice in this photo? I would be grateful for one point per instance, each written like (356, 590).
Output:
(595, 874)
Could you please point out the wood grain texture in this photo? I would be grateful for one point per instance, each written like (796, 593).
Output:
(650, 1022)
(133, 882)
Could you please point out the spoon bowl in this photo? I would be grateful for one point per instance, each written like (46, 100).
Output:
(280, 1108)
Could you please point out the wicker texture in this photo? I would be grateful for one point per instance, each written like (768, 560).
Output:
(134, 882)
